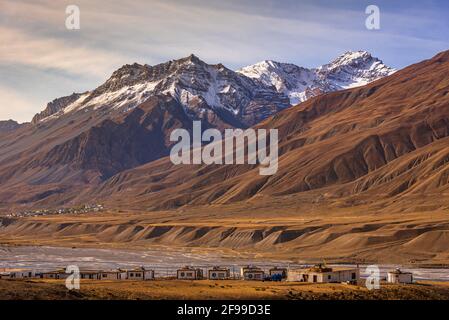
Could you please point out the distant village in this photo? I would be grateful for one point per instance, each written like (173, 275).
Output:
(316, 274)
(87, 208)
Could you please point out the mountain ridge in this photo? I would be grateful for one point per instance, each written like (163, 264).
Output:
(79, 149)
(348, 143)
(195, 85)
(351, 69)
(207, 92)
(7, 126)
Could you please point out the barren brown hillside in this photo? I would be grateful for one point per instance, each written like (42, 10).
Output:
(387, 140)
(50, 162)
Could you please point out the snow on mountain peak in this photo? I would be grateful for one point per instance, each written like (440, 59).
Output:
(351, 69)
(349, 56)
(355, 59)
(287, 78)
(205, 91)
(209, 91)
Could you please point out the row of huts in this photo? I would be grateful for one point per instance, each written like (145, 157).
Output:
(143, 273)
(316, 274)
(140, 273)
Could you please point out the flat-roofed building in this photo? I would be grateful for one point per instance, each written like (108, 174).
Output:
(56, 274)
(90, 274)
(189, 273)
(398, 276)
(323, 274)
(252, 273)
(140, 273)
(17, 274)
(112, 274)
(219, 273)
(278, 273)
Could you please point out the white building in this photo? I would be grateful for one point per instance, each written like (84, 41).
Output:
(18, 274)
(398, 276)
(140, 273)
(217, 273)
(323, 274)
(89, 274)
(252, 273)
(189, 273)
(57, 274)
(5, 275)
(112, 275)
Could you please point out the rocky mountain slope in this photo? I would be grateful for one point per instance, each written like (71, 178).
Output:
(351, 69)
(85, 138)
(55, 106)
(386, 140)
(54, 162)
(216, 94)
(211, 93)
(7, 126)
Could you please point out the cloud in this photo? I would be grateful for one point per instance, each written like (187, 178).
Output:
(233, 32)
(34, 43)
(14, 105)
(17, 47)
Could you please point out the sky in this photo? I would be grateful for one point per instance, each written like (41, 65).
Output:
(40, 59)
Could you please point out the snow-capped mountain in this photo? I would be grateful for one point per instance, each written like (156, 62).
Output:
(351, 69)
(209, 92)
(218, 95)
(56, 106)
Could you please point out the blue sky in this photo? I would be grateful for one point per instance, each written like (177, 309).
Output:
(41, 60)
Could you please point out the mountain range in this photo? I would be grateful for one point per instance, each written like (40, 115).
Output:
(88, 137)
(386, 141)
(351, 69)
(343, 138)
(363, 172)
(218, 95)
(8, 126)
(213, 94)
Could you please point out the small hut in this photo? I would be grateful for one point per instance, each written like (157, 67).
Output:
(252, 273)
(112, 275)
(322, 274)
(219, 273)
(140, 273)
(18, 274)
(277, 274)
(90, 274)
(57, 274)
(189, 273)
(399, 276)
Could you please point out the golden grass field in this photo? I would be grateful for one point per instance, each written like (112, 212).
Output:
(210, 290)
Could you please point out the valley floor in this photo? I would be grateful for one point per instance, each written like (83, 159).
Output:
(335, 235)
(207, 290)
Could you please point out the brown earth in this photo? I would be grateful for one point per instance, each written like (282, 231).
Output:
(212, 290)
(385, 143)
(337, 236)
